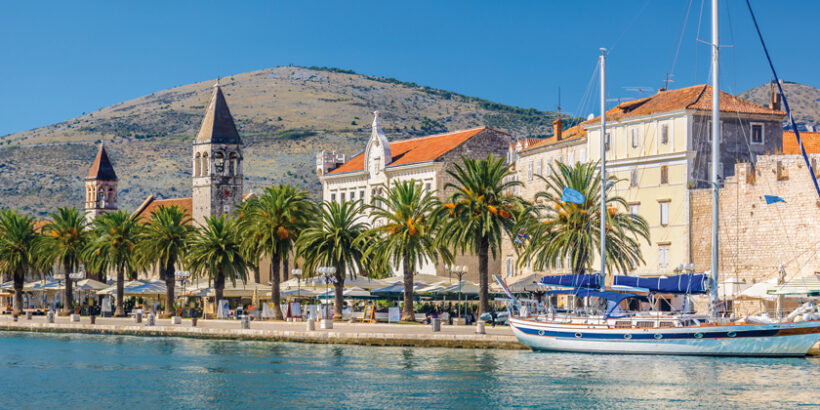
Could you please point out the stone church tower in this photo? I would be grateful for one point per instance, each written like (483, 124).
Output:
(100, 187)
(217, 162)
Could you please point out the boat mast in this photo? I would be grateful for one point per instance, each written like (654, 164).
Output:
(715, 156)
(603, 169)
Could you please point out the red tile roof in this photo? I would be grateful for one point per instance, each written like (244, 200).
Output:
(571, 133)
(415, 150)
(696, 97)
(151, 204)
(811, 141)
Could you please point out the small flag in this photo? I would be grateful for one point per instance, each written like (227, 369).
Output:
(571, 195)
(771, 199)
(520, 237)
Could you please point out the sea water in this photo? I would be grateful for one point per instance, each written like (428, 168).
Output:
(48, 370)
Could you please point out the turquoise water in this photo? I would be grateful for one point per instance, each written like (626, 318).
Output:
(46, 371)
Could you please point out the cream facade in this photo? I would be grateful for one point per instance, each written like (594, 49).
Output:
(425, 160)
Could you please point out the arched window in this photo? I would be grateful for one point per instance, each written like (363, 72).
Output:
(197, 165)
(205, 170)
(110, 199)
(100, 196)
(219, 163)
(233, 164)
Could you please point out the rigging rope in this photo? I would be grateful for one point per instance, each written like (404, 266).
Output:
(785, 102)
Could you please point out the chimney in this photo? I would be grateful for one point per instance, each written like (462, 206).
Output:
(774, 101)
(557, 126)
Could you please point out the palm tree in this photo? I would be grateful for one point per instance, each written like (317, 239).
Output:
(405, 235)
(561, 232)
(115, 236)
(64, 239)
(332, 239)
(479, 212)
(17, 250)
(162, 243)
(214, 251)
(269, 225)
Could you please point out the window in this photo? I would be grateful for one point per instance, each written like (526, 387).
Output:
(332, 197)
(664, 134)
(582, 154)
(539, 167)
(757, 133)
(509, 267)
(663, 255)
(633, 208)
(664, 213)
(343, 196)
(633, 178)
(634, 138)
(361, 195)
(607, 142)
(529, 171)
(428, 187)
(664, 174)
(548, 169)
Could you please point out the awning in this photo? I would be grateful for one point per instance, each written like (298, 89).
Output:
(687, 283)
(807, 285)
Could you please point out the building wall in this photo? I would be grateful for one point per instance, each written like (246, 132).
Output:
(756, 238)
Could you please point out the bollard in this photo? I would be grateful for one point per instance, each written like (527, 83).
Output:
(151, 319)
(50, 316)
(93, 319)
(138, 317)
(479, 328)
(326, 324)
(245, 321)
(311, 326)
(176, 320)
(193, 321)
(435, 323)
(75, 317)
(28, 315)
(14, 317)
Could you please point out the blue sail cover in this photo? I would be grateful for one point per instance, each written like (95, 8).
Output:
(686, 283)
(572, 281)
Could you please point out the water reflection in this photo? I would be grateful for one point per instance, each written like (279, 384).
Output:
(162, 372)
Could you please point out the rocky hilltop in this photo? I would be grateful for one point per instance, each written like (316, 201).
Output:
(283, 114)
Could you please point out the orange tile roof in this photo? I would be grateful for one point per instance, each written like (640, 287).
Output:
(151, 204)
(696, 97)
(571, 133)
(414, 150)
(811, 141)
(526, 142)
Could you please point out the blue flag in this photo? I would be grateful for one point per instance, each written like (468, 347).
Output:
(571, 195)
(771, 199)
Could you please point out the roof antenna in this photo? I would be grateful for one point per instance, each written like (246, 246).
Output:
(559, 101)
(666, 82)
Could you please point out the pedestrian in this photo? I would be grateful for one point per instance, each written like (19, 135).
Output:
(493, 314)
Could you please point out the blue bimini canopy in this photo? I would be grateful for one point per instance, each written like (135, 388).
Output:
(681, 284)
(613, 298)
(572, 281)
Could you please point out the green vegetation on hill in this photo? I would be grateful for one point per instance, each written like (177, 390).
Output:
(283, 114)
(804, 100)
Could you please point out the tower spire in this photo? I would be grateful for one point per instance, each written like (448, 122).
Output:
(218, 125)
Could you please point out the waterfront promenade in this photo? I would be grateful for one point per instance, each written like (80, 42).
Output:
(500, 337)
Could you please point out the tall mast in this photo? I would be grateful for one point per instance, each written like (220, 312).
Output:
(715, 155)
(603, 168)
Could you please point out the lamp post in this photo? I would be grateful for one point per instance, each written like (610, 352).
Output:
(298, 274)
(327, 272)
(182, 276)
(75, 276)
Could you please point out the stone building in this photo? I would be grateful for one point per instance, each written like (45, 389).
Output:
(100, 186)
(756, 238)
(426, 160)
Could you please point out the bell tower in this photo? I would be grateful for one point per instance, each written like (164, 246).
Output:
(217, 162)
(100, 186)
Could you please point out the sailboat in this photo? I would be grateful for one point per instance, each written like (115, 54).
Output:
(613, 331)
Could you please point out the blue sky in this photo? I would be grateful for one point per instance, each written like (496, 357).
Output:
(61, 59)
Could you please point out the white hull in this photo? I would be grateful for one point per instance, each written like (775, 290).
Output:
(779, 339)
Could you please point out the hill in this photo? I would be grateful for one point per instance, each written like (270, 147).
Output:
(804, 101)
(283, 114)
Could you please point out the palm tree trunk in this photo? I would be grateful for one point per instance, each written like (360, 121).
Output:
(69, 293)
(170, 278)
(483, 275)
(285, 267)
(408, 311)
(120, 311)
(274, 286)
(338, 289)
(18, 292)
(219, 286)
